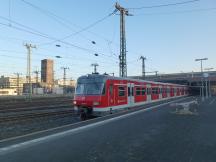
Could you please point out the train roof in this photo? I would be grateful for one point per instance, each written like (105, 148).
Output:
(106, 77)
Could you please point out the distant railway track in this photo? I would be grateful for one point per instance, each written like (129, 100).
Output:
(44, 107)
(19, 110)
(34, 115)
(33, 103)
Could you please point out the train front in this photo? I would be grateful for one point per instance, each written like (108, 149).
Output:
(89, 94)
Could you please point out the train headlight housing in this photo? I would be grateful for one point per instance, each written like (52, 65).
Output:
(74, 102)
(96, 103)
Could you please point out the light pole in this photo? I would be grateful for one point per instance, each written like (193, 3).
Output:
(209, 84)
(28, 76)
(143, 66)
(18, 82)
(202, 59)
(64, 77)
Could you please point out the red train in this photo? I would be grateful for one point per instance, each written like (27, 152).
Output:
(100, 94)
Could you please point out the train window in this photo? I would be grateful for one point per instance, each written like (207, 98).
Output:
(90, 87)
(143, 91)
(138, 92)
(121, 91)
(153, 90)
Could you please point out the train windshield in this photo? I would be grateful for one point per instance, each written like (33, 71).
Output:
(90, 87)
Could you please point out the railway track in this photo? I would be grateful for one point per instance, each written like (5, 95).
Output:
(20, 110)
(35, 108)
(33, 115)
(33, 103)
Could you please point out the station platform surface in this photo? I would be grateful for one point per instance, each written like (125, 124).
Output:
(156, 135)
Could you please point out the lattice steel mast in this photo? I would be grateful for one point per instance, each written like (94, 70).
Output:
(122, 56)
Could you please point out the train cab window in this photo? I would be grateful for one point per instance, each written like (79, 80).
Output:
(104, 89)
(121, 91)
(143, 91)
(138, 91)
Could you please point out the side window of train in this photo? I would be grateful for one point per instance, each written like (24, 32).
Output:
(143, 91)
(137, 91)
(154, 90)
(111, 89)
(121, 91)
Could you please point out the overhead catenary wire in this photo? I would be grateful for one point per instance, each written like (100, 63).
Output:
(177, 12)
(80, 31)
(9, 10)
(66, 23)
(37, 33)
(59, 19)
(62, 21)
(164, 5)
(39, 54)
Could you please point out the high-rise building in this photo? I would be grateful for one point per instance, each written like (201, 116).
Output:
(47, 75)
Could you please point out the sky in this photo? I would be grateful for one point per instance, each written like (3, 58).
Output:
(170, 37)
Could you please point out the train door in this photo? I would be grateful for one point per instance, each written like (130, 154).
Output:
(130, 94)
(175, 91)
(111, 99)
(148, 86)
(168, 91)
(160, 92)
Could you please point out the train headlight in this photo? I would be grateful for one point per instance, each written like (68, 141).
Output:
(96, 103)
(74, 102)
